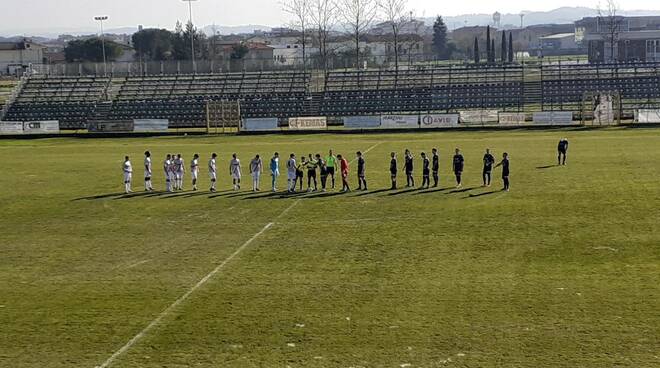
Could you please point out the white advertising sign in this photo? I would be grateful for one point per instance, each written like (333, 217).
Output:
(398, 121)
(11, 127)
(512, 118)
(553, 117)
(308, 123)
(439, 121)
(479, 116)
(259, 124)
(41, 127)
(151, 125)
(648, 116)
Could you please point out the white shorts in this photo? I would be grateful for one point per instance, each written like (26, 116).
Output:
(256, 175)
(292, 175)
(147, 174)
(179, 174)
(172, 176)
(213, 175)
(236, 175)
(128, 177)
(275, 173)
(194, 174)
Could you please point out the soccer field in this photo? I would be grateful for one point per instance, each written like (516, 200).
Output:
(563, 271)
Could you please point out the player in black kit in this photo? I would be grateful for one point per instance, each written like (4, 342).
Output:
(562, 148)
(361, 171)
(458, 163)
(489, 161)
(393, 169)
(426, 171)
(410, 180)
(505, 170)
(436, 167)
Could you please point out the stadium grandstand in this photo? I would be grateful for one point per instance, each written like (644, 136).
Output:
(182, 99)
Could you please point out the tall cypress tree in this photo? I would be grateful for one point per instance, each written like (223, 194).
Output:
(510, 47)
(488, 44)
(440, 39)
(477, 57)
(492, 51)
(503, 55)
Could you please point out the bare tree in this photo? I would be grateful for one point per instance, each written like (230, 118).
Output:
(322, 16)
(610, 25)
(394, 12)
(301, 11)
(358, 16)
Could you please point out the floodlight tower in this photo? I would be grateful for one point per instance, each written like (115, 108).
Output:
(192, 34)
(100, 19)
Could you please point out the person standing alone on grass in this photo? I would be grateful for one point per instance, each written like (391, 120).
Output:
(235, 171)
(194, 171)
(562, 149)
(361, 171)
(343, 165)
(408, 163)
(213, 171)
(311, 173)
(274, 170)
(489, 161)
(505, 170)
(331, 163)
(458, 163)
(147, 172)
(394, 167)
(426, 171)
(128, 175)
(256, 168)
(436, 167)
(291, 174)
(166, 169)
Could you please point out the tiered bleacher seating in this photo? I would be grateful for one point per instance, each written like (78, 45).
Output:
(71, 100)
(421, 89)
(182, 98)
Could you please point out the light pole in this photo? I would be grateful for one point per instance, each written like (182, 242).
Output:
(100, 19)
(192, 34)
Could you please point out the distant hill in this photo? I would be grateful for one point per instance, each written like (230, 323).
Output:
(556, 16)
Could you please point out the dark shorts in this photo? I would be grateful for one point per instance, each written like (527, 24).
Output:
(488, 170)
(311, 173)
(299, 174)
(563, 151)
(426, 173)
(393, 173)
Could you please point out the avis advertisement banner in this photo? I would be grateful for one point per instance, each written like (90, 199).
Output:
(308, 123)
(439, 121)
(41, 127)
(259, 124)
(11, 127)
(553, 118)
(647, 116)
(479, 116)
(361, 122)
(398, 121)
(512, 118)
(110, 126)
(151, 125)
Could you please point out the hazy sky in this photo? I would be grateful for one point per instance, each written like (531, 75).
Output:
(24, 15)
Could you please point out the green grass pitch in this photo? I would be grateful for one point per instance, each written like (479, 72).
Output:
(563, 271)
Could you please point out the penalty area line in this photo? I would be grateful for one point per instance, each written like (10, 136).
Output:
(188, 293)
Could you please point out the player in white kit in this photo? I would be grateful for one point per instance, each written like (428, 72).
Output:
(194, 170)
(213, 172)
(166, 168)
(235, 171)
(148, 187)
(128, 175)
(256, 168)
(180, 169)
(172, 172)
(291, 173)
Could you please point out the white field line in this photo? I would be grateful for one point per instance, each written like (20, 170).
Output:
(137, 264)
(188, 293)
(365, 152)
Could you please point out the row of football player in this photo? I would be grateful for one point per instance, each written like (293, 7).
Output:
(174, 169)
